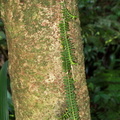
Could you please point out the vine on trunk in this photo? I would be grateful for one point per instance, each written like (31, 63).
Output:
(72, 111)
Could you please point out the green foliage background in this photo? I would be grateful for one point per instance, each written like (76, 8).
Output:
(100, 23)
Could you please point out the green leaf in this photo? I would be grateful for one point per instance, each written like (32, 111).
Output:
(1, 24)
(96, 98)
(2, 35)
(10, 103)
(3, 93)
(91, 86)
(105, 97)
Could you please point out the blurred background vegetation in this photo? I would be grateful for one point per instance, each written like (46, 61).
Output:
(100, 23)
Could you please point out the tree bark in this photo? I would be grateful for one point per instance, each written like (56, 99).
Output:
(35, 64)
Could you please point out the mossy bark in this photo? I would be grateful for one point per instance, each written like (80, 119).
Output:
(35, 64)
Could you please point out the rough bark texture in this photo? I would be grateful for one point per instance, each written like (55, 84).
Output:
(35, 64)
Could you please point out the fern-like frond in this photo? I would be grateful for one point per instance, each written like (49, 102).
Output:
(67, 61)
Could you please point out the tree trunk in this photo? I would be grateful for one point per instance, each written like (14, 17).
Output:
(38, 43)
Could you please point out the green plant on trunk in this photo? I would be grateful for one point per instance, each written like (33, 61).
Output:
(72, 111)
